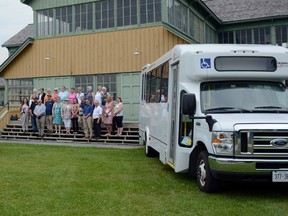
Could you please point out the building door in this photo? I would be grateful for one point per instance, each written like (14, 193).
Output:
(130, 91)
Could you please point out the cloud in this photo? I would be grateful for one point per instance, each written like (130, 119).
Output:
(14, 16)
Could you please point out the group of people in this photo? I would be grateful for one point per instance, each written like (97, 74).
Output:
(75, 110)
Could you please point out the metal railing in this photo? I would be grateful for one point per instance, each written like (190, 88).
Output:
(5, 105)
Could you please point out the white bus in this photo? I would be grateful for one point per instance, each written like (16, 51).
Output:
(218, 112)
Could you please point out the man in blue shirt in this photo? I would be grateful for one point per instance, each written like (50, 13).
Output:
(87, 120)
(49, 104)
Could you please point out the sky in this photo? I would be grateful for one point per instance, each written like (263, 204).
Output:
(14, 16)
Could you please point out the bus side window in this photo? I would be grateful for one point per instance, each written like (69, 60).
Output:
(164, 83)
(148, 86)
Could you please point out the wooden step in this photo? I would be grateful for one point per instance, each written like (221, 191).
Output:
(13, 131)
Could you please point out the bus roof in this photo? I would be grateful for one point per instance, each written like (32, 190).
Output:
(184, 53)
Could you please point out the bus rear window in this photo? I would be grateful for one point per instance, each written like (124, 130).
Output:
(250, 63)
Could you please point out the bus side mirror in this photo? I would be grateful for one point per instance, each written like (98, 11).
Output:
(188, 104)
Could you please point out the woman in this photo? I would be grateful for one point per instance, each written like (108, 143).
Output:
(75, 115)
(63, 94)
(24, 108)
(108, 114)
(56, 114)
(90, 95)
(98, 95)
(55, 94)
(66, 114)
(32, 96)
(48, 92)
(118, 114)
(72, 95)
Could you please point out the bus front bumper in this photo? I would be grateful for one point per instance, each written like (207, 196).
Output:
(245, 169)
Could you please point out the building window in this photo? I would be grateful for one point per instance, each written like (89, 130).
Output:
(191, 24)
(281, 35)
(108, 81)
(226, 37)
(262, 36)
(64, 20)
(104, 14)
(150, 11)
(244, 36)
(83, 17)
(45, 22)
(126, 12)
(209, 35)
(83, 82)
(19, 89)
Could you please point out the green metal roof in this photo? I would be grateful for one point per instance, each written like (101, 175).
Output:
(16, 53)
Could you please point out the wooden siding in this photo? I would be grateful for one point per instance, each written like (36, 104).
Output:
(105, 52)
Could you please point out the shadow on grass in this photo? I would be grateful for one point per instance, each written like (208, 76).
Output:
(250, 188)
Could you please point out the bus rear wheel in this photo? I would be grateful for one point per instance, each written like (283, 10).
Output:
(206, 182)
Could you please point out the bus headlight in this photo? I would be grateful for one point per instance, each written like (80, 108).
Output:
(223, 143)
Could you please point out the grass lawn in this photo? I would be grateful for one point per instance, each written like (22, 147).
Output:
(53, 180)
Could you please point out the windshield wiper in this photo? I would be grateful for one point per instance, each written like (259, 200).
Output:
(229, 109)
(274, 109)
(269, 107)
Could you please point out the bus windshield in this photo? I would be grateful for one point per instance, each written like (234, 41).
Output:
(243, 96)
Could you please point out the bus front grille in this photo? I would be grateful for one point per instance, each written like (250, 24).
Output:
(256, 143)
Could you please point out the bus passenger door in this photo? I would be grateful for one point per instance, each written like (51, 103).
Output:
(173, 137)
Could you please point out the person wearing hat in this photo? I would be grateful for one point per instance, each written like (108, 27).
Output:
(55, 94)
(40, 112)
(66, 114)
(49, 119)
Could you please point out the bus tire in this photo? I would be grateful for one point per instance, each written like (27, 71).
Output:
(206, 182)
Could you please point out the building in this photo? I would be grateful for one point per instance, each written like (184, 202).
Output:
(107, 42)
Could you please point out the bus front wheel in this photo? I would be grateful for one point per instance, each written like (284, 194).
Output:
(206, 182)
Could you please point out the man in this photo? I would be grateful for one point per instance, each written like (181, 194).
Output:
(40, 112)
(81, 108)
(49, 105)
(79, 95)
(33, 117)
(87, 120)
(41, 94)
(97, 116)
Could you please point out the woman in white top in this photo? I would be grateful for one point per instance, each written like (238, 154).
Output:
(33, 95)
(98, 95)
(118, 113)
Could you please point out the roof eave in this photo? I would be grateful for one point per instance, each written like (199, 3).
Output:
(16, 53)
(209, 11)
(11, 45)
(254, 19)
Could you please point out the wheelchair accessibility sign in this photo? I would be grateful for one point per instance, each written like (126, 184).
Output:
(205, 63)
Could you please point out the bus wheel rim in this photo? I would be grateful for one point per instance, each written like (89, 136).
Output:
(202, 173)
